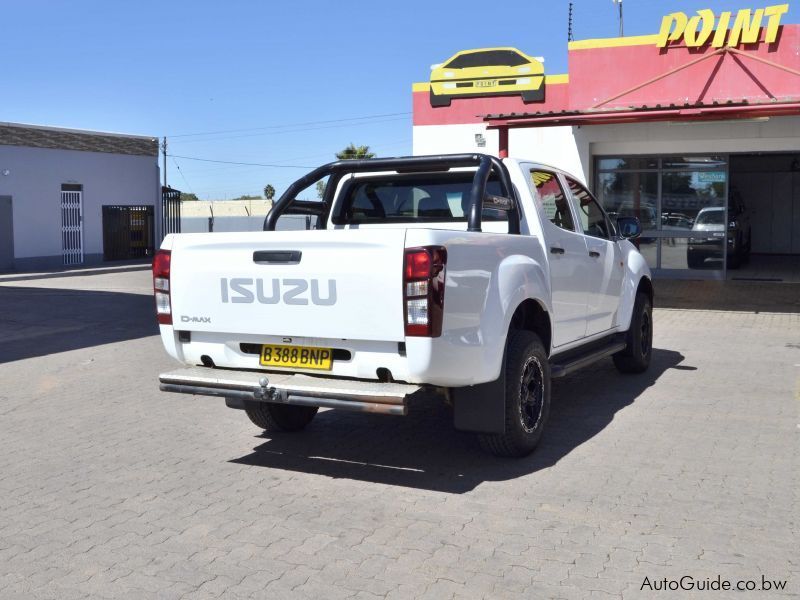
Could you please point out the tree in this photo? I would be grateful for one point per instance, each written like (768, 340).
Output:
(269, 191)
(248, 197)
(189, 197)
(321, 189)
(353, 151)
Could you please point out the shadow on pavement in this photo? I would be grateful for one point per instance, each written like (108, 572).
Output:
(61, 273)
(40, 321)
(742, 296)
(423, 450)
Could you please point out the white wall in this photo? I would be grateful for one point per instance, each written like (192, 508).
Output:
(34, 182)
(554, 146)
(229, 223)
(446, 139)
(550, 145)
(777, 134)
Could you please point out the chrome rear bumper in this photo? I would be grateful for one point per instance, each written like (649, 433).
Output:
(303, 390)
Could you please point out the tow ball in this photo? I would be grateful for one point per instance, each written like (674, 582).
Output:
(269, 394)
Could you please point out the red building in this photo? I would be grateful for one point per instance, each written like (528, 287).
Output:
(695, 130)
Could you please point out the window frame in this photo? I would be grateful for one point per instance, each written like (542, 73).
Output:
(610, 227)
(656, 236)
(344, 198)
(538, 198)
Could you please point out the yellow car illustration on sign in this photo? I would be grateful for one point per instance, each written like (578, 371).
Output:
(487, 72)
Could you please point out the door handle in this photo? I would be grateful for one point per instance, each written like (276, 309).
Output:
(556, 250)
(594, 254)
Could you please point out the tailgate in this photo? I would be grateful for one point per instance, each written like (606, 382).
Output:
(344, 284)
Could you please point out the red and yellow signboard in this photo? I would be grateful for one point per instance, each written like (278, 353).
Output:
(487, 72)
(732, 64)
(698, 30)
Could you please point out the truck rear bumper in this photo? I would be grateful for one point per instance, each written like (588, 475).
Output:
(302, 390)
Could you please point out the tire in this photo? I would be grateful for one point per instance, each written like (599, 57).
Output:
(279, 417)
(736, 258)
(635, 358)
(693, 261)
(527, 402)
(437, 101)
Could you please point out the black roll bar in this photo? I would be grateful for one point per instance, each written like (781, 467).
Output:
(407, 164)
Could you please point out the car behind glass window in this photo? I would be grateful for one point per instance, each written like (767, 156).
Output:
(714, 216)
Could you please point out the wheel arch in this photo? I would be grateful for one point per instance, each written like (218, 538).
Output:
(646, 286)
(531, 315)
(637, 278)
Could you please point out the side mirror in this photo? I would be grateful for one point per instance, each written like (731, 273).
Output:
(629, 227)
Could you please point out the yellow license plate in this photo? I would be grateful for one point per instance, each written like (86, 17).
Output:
(486, 83)
(302, 357)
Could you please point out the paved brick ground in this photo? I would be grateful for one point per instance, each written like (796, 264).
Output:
(109, 488)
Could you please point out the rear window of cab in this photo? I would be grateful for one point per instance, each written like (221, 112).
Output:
(439, 197)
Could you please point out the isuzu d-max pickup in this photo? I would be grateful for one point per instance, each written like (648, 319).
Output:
(464, 277)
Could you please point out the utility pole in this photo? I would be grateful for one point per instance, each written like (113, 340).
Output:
(164, 152)
(569, 24)
(621, 26)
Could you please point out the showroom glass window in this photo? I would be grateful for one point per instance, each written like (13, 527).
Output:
(667, 194)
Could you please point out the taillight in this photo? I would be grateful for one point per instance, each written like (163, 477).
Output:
(423, 290)
(161, 263)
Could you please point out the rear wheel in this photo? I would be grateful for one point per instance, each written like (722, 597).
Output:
(635, 358)
(279, 417)
(694, 261)
(527, 403)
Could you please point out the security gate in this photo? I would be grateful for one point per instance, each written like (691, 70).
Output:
(72, 224)
(127, 232)
(170, 211)
(6, 234)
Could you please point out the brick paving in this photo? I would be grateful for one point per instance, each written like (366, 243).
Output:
(111, 489)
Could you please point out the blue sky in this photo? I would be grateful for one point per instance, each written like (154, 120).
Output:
(296, 81)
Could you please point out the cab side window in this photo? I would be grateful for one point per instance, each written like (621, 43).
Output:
(553, 200)
(593, 219)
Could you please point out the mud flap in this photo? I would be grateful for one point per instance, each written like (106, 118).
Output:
(481, 408)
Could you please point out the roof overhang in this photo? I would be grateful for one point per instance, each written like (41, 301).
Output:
(712, 112)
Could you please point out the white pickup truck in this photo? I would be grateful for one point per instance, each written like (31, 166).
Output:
(464, 277)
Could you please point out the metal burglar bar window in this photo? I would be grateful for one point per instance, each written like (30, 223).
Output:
(72, 224)
(128, 232)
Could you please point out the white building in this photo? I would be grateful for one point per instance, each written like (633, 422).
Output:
(71, 197)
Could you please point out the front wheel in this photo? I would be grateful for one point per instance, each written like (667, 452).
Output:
(635, 358)
(279, 417)
(736, 255)
(527, 402)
